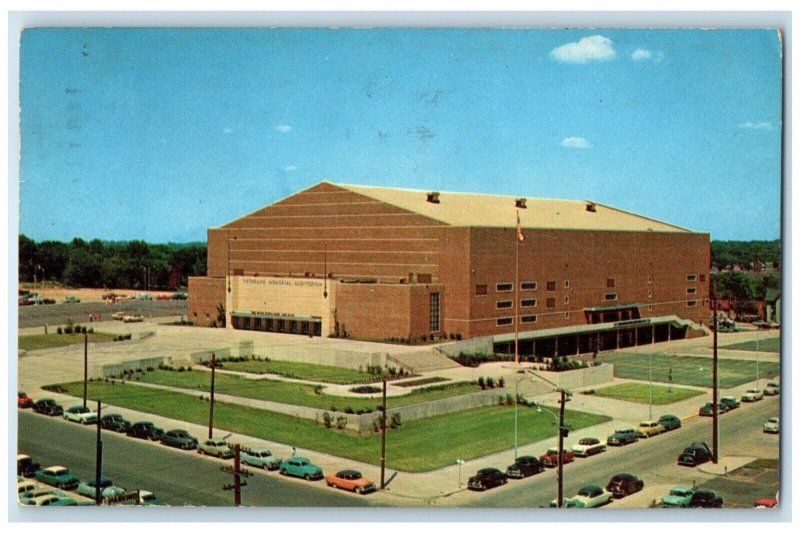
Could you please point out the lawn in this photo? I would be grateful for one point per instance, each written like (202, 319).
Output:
(416, 446)
(306, 371)
(772, 344)
(640, 393)
(41, 341)
(294, 393)
(687, 370)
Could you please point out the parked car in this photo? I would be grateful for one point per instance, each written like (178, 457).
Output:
(259, 458)
(107, 488)
(679, 496)
(216, 447)
(622, 436)
(163, 296)
(591, 496)
(624, 484)
(649, 428)
(351, 480)
(765, 503)
(669, 422)
(708, 409)
(145, 430)
(773, 425)
(550, 457)
(148, 498)
(119, 315)
(133, 318)
(52, 500)
(729, 403)
(300, 467)
(27, 497)
(588, 446)
(48, 406)
(180, 296)
(143, 296)
(179, 438)
(26, 466)
(695, 454)
(59, 477)
(24, 401)
(69, 299)
(752, 395)
(81, 415)
(25, 485)
(114, 422)
(705, 499)
(773, 388)
(565, 503)
(524, 466)
(486, 478)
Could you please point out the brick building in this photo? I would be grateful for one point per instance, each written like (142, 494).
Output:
(383, 263)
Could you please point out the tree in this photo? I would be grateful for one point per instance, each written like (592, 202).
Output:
(221, 315)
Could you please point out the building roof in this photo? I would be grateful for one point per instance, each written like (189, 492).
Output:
(486, 210)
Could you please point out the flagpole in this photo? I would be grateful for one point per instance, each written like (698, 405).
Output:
(516, 294)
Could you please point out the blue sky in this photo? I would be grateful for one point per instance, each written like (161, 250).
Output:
(158, 134)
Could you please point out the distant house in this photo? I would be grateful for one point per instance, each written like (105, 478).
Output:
(772, 302)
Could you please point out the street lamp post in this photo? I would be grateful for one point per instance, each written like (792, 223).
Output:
(459, 462)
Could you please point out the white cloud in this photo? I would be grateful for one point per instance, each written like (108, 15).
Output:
(283, 128)
(756, 125)
(289, 168)
(640, 54)
(575, 142)
(595, 47)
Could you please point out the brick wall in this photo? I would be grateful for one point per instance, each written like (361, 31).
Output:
(205, 294)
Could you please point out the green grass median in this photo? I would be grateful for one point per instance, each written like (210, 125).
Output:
(295, 393)
(687, 370)
(416, 446)
(640, 393)
(772, 344)
(40, 341)
(305, 371)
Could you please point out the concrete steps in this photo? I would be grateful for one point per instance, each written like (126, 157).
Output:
(422, 361)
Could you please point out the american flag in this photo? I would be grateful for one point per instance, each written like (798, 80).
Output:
(520, 237)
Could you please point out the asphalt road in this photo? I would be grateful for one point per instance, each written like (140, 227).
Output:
(653, 460)
(177, 477)
(57, 314)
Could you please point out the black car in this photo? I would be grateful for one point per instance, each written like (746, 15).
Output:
(525, 466)
(114, 422)
(670, 422)
(487, 478)
(26, 466)
(621, 485)
(48, 406)
(705, 499)
(144, 430)
(179, 438)
(695, 454)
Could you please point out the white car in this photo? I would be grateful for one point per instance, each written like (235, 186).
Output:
(773, 389)
(80, 414)
(588, 446)
(752, 395)
(216, 447)
(649, 428)
(773, 425)
(591, 496)
(133, 318)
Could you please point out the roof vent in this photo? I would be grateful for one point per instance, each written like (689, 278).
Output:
(433, 197)
(591, 207)
(520, 203)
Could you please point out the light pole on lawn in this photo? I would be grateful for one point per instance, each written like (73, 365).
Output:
(459, 462)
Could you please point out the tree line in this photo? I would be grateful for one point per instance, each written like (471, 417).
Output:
(131, 264)
(725, 253)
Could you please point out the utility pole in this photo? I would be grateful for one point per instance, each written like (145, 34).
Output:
(383, 438)
(714, 384)
(98, 461)
(211, 406)
(561, 434)
(86, 368)
(237, 475)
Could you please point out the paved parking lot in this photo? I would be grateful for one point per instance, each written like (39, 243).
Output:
(740, 488)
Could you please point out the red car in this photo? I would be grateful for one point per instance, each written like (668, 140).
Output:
(765, 503)
(163, 297)
(23, 401)
(550, 458)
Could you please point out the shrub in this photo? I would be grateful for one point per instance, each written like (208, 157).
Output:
(365, 389)
(341, 422)
(180, 369)
(91, 330)
(68, 330)
(59, 330)
(149, 369)
(333, 408)
(327, 419)
(396, 422)
(490, 382)
(501, 383)
(349, 410)
(318, 389)
(481, 383)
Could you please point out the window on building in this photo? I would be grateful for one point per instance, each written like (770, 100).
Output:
(505, 321)
(649, 293)
(246, 321)
(505, 304)
(650, 279)
(257, 323)
(566, 300)
(650, 307)
(691, 303)
(566, 284)
(566, 315)
(691, 277)
(528, 285)
(528, 302)
(270, 324)
(551, 286)
(611, 296)
(528, 319)
(481, 290)
(434, 309)
(691, 290)
(292, 326)
(505, 287)
(611, 283)
(551, 302)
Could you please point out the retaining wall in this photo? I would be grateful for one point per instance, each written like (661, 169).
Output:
(115, 369)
